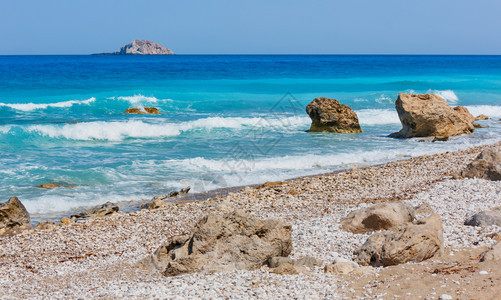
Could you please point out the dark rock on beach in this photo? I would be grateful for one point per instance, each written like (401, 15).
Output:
(328, 115)
(218, 243)
(429, 115)
(13, 217)
(98, 211)
(485, 218)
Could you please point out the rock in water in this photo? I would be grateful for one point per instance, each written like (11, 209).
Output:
(481, 117)
(378, 217)
(328, 115)
(234, 241)
(416, 241)
(148, 110)
(487, 165)
(143, 47)
(430, 115)
(13, 217)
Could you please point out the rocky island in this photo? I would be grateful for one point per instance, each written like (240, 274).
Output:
(141, 47)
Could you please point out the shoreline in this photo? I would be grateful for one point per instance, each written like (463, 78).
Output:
(96, 257)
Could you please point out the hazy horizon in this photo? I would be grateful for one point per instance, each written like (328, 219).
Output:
(365, 27)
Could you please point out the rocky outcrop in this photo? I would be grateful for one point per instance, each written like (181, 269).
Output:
(416, 241)
(481, 118)
(328, 115)
(493, 254)
(142, 47)
(485, 218)
(13, 217)
(154, 204)
(218, 243)
(487, 165)
(430, 115)
(147, 110)
(378, 217)
(98, 211)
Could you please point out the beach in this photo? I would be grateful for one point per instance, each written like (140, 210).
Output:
(97, 257)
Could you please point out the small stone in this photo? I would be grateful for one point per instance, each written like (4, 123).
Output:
(65, 220)
(483, 272)
(445, 297)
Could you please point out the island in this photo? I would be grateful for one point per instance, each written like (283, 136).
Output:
(141, 47)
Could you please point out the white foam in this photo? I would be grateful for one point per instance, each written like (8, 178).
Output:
(117, 131)
(448, 95)
(139, 100)
(5, 129)
(377, 116)
(492, 111)
(34, 106)
(383, 99)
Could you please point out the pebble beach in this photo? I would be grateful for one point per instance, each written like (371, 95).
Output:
(97, 257)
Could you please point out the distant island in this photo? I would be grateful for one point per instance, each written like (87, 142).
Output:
(141, 47)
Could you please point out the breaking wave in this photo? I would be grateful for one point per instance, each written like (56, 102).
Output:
(34, 106)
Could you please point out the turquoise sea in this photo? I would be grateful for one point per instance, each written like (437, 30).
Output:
(227, 120)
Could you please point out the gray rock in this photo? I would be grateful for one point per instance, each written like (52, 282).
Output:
(378, 217)
(416, 241)
(13, 217)
(143, 47)
(487, 165)
(233, 241)
(98, 211)
(485, 218)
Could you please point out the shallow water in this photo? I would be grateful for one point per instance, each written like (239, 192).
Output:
(226, 120)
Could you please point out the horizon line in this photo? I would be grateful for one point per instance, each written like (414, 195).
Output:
(284, 54)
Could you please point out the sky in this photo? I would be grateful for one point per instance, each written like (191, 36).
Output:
(253, 27)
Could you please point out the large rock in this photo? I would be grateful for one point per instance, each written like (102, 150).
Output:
(485, 218)
(218, 243)
(378, 217)
(98, 211)
(487, 165)
(429, 115)
(143, 47)
(13, 217)
(416, 241)
(328, 115)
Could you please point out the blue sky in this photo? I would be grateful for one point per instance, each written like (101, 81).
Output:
(253, 27)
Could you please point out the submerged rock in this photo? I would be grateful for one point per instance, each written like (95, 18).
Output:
(233, 241)
(416, 241)
(148, 110)
(429, 115)
(328, 115)
(487, 165)
(13, 217)
(378, 217)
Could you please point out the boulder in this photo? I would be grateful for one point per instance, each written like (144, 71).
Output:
(328, 115)
(423, 209)
(481, 118)
(13, 217)
(219, 243)
(378, 217)
(493, 254)
(147, 110)
(485, 218)
(487, 165)
(339, 268)
(416, 241)
(154, 204)
(429, 115)
(98, 211)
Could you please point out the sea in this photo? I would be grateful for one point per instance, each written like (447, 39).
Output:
(226, 120)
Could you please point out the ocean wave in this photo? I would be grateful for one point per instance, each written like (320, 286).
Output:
(140, 100)
(492, 111)
(448, 95)
(117, 131)
(377, 116)
(34, 106)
